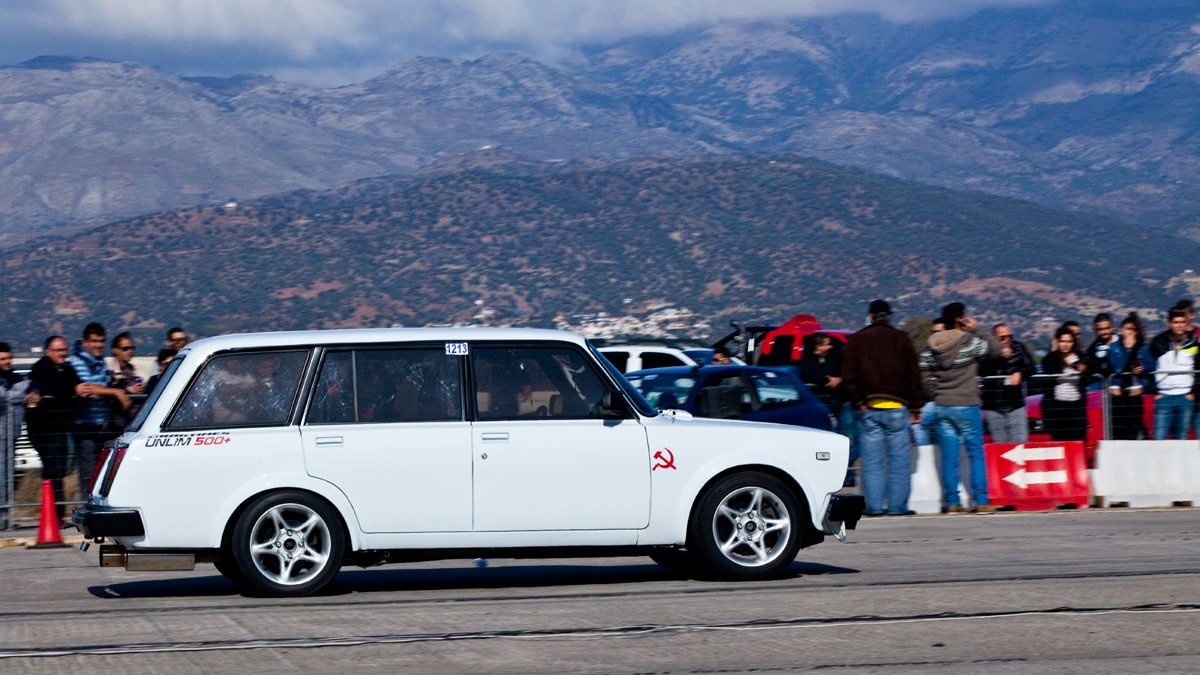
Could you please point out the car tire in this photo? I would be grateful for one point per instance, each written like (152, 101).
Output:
(287, 544)
(230, 571)
(746, 526)
(679, 562)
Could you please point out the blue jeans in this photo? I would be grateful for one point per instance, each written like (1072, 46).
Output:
(883, 438)
(961, 424)
(1172, 416)
(922, 430)
(847, 425)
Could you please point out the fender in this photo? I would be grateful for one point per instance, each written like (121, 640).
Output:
(780, 447)
(247, 491)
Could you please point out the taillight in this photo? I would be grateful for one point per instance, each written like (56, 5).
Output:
(104, 453)
(118, 455)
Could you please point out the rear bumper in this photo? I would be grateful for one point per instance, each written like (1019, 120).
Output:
(103, 521)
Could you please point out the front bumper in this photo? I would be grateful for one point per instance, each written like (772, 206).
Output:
(846, 510)
(103, 521)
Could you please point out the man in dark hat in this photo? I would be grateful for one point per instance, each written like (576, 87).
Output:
(880, 377)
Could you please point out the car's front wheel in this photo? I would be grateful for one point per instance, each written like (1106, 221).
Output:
(746, 526)
(680, 563)
(287, 544)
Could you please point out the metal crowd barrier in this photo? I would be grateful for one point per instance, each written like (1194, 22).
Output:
(1103, 412)
(21, 468)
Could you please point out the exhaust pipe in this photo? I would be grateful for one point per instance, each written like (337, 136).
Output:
(116, 556)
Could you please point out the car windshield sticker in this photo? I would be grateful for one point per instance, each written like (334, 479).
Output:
(665, 459)
(456, 348)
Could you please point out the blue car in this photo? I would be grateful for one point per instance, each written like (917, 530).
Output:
(755, 393)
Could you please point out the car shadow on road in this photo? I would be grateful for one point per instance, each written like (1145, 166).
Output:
(397, 578)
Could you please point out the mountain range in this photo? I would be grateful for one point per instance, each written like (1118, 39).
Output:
(755, 238)
(1090, 105)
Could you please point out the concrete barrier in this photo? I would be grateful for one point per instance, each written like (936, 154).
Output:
(1146, 473)
(926, 495)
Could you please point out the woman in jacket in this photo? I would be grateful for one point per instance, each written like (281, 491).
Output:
(1064, 407)
(1131, 364)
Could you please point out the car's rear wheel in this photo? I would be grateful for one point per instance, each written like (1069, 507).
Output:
(287, 544)
(746, 526)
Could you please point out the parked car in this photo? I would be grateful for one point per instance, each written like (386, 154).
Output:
(278, 457)
(628, 358)
(754, 393)
(777, 345)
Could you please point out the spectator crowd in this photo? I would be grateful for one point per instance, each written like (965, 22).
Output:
(964, 381)
(75, 399)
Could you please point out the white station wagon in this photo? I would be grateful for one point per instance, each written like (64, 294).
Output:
(279, 457)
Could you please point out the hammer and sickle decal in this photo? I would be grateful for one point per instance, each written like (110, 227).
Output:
(664, 461)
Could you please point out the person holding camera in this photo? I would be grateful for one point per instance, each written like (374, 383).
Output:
(1064, 407)
(1004, 383)
(950, 365)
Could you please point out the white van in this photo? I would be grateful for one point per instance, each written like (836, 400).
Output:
(279, 457)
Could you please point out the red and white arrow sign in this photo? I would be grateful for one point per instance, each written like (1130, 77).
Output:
(1021, 454)
(1024, 479)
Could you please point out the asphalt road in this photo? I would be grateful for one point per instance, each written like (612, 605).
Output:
(1092, 591)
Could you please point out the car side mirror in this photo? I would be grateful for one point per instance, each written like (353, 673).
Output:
(612, 406)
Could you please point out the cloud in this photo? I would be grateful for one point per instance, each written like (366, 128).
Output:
(331, 41)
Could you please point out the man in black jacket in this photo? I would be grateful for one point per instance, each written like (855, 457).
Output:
(880, 377)
(1096, 356)
(1005, 379)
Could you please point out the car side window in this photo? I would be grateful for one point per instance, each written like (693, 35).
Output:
(658, 360)
(388, 385)
(251, 389)
(536, 382)
(618, 359)
(724, 395)
(775, 390)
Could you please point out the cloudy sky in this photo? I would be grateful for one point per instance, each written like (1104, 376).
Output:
(328, 42)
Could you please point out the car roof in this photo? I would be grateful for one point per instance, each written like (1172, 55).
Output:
(644, 348)
(684, 370)
(308, 338)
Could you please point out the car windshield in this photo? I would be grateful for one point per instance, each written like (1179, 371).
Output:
(638, 400)
(664, 390)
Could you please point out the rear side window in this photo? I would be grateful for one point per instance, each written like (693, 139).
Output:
(775, 390)
(250, 389)
(659, 360)
(618, 359)
(363, 386)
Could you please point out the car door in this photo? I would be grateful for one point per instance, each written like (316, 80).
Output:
(545, 458)
(386, 426)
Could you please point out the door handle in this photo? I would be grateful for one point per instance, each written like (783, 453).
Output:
(495, 437)
(329, 440)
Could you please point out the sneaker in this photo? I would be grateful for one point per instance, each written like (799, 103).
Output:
(903, 513)
(872, 514)
(957, 508)
(984, 508)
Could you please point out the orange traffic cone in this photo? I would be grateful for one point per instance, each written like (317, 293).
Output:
(48, 534)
